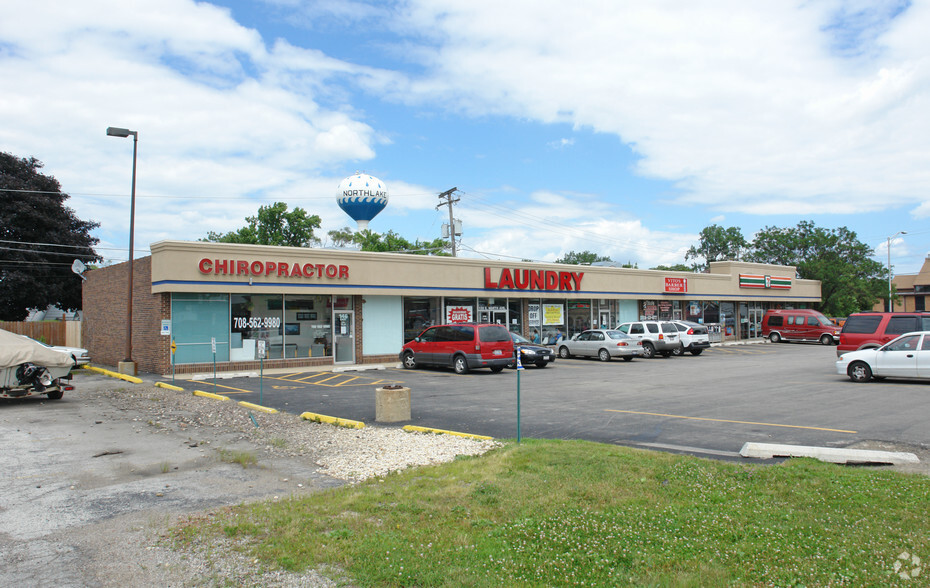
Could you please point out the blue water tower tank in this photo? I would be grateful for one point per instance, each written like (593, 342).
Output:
(362, 197)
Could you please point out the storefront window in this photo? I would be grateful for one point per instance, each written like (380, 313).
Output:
(650, 311)
(419, 313)
(694, 311)
(728, 319)
(711, 313)
(257, 318)
(308, 325)
(196, 321)
(553, 320)
(492, 310)
(579, 316)
(459, 310)
(665, 310)
(515, 320)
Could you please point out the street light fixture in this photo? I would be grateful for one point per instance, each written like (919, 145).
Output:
(890, 305)
(119, 132)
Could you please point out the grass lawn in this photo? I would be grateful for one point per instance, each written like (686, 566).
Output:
(574, 513)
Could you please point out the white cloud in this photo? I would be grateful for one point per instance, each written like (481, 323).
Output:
(747, 106)
(223, 122)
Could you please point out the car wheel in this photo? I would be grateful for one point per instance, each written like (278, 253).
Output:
(55, 395)
(603, 355)
(627, 358)
(542, 364)
(859, 371)
(826, 340)
(649, 351)
(774, 337)
(563, 352)
(678, 351)
(460, 365)
(697, 351)
(410, 362)
(496, 369)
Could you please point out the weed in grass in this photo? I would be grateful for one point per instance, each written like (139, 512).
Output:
(278, 442)
(243, 458)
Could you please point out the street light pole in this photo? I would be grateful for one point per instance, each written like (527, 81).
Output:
(890, 305)
(119, 132)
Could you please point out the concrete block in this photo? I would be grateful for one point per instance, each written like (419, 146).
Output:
(392, 404)
(828, 454)
(127, 368)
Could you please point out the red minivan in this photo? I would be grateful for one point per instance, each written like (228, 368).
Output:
(870, 330)
(801, 324)
(461, 346)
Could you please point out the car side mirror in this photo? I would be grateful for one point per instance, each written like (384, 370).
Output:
(417, 339)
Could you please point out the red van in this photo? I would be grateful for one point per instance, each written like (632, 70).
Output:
(870, 330)
(461, 346)
(801, 324)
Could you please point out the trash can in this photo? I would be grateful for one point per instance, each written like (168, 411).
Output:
(392, 404)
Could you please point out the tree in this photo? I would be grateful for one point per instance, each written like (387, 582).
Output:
(273, 225)
(581, 258)
(678, 267)
(40, 238)
(850, 280)
(717, 244)
(389, 242)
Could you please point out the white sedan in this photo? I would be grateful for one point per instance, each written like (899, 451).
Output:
(908, 356)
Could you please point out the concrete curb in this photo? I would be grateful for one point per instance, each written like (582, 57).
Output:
(210, 395)
(258, 407)
(828, 454)
(416, 429)
(322, 418)
(111, 374)
(169, 386)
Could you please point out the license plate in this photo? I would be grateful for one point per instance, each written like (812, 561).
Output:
(497, 352)
(546, 357)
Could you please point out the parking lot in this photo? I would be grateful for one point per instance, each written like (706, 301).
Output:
(705, 405)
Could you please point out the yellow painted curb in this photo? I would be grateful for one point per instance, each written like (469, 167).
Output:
(258, 407)
(112, 374)
(210, 395)
(322, 418)
(169, 386)
(416, 429)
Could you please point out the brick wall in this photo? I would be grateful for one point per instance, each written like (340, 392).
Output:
(104, 304)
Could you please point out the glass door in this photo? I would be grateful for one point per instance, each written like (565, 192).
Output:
(344, 323)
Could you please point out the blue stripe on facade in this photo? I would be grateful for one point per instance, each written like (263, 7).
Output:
(498, 292)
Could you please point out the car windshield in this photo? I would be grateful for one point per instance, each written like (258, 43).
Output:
(519, 338)
(617, 335)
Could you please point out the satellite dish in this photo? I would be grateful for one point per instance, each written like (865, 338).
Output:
(78, 267)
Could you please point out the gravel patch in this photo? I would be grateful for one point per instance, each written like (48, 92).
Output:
(101, 476)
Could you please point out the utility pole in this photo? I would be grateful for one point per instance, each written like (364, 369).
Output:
(449, 202)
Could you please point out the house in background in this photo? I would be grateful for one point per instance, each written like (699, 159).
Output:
(912, 291)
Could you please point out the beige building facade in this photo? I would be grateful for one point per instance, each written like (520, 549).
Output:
(244, 304)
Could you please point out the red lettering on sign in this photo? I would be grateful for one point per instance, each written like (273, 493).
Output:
(576, 278)
(537, 280)
(257, 268)
(487, 279)
(242, 267)
(344, 271)
(270, 267)
(506, 279)
(522, 284)
(565, 281)
(205, 266)
(308, 270)
(282, 270)
(295, 271)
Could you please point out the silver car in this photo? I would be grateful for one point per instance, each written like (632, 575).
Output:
(602, 344)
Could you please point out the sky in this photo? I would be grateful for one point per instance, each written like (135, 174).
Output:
(617, 127)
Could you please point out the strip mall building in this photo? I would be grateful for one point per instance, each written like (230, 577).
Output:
(196, 302)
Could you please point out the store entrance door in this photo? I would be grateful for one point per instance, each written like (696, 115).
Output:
(493, 316)
(604, 321)
(345, 336)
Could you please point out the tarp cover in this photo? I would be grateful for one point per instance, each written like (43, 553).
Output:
(18, 349)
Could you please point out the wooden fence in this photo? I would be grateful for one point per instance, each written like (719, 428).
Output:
(50, 332)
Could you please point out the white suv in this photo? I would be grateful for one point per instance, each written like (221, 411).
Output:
(658, 337)
(694, 338)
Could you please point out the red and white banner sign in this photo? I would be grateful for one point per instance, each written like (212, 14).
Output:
(676, 284)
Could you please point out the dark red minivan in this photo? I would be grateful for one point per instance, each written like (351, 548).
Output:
(461, 346)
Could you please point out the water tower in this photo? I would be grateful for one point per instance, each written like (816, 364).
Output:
(362, 197)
